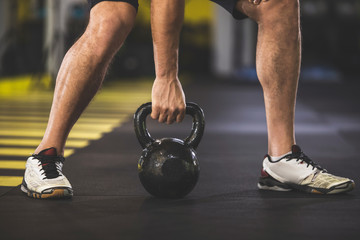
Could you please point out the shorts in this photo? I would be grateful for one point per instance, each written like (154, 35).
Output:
(229, 5)
(135, 3)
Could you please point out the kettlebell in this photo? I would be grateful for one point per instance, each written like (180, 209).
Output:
(169, 167)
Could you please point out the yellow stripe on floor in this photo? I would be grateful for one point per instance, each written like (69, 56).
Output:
(99, 120)
(79, 126)
(10, 181)
(26, 152)
(37, 133)
(35, 142)
(103, 107)
(86, 114)
(12, 164)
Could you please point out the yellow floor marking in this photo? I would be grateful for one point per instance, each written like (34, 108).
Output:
(18, 85)
(12, 164)
(37, 133)
(108, 115)
(45, 119)
(35, 142)
(104, 106)
(112, 115)
(23, 118)
(116, 96)
(10, 181)
(79, 126)
(121, 118)
(96, 113)
(95, 127)
(26, 152)
(23, 107)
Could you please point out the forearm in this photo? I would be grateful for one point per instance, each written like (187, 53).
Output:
(166, 21)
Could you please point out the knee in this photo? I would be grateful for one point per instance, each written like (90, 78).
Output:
(282, 12)
(109, 33)
(106, 32)
(272, 13)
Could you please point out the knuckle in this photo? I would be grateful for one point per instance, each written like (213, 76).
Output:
(164, 110)
(172, 110)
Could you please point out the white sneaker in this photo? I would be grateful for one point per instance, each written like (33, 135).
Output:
(297, 171)
(43, 176)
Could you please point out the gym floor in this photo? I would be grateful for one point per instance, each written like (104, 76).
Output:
(110, 203)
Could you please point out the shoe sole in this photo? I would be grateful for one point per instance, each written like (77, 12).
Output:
(269, 183)
(342, 188)
(50, 193)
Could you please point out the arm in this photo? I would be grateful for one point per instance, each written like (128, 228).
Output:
(168, 99)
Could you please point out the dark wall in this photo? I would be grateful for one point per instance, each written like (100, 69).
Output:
(331, 34)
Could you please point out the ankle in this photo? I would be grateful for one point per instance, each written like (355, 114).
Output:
(275, 158)
(280, 150)
(41, 148)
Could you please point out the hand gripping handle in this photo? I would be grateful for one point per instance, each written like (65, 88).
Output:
(192, 140)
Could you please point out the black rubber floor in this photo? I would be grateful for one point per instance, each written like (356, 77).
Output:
(110, 203)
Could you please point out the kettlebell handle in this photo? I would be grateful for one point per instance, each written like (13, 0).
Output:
(192, 140)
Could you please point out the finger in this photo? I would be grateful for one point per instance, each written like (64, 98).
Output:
(163, 116)
(170, 119)
(180, 116)
(155, 113)
(172, 116)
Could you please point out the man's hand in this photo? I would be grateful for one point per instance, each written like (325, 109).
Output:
(168, 101)
(257, 2)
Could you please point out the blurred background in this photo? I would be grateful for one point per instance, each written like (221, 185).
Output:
(35, 35)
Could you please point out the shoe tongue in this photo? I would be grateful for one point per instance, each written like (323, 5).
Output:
(295, 149)
(48, 152)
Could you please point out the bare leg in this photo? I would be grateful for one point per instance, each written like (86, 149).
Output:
(84, 67)
(278, 59)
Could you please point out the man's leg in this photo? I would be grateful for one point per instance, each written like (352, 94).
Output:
(81, 74)
(278, 64)
(83, 68)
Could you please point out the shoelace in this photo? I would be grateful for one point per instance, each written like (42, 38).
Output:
(300, 156)
(50, 165)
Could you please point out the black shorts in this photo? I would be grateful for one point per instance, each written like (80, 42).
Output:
(135, 3)
(229, 5)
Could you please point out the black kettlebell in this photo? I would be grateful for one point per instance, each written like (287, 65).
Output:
(168, 167)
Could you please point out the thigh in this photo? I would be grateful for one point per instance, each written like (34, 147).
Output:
(134, 3)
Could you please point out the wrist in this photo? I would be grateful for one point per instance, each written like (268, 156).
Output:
(167, 78)
(166, 63)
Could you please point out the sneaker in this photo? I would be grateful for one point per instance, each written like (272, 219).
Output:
(297, 171)
(43, 177)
